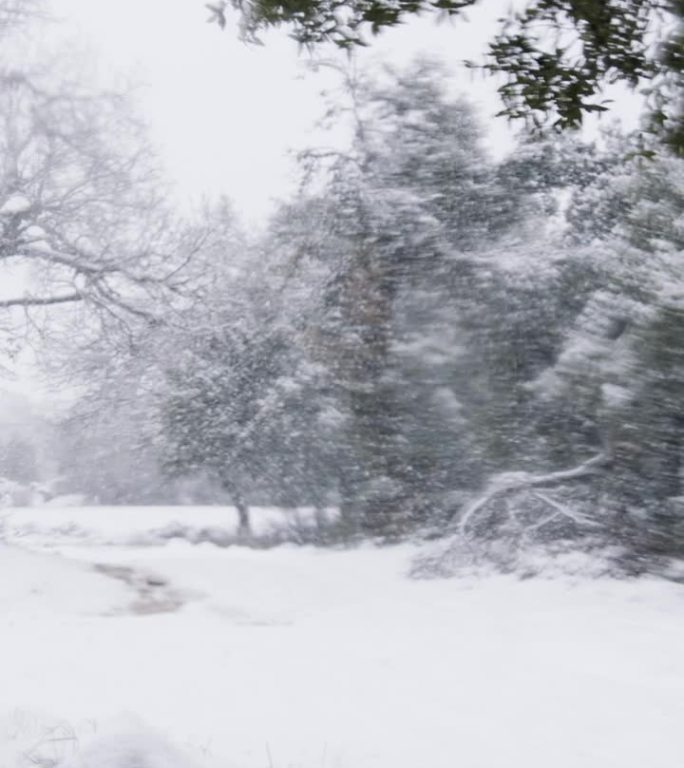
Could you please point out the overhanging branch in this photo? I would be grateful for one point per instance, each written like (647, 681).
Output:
(40, 301)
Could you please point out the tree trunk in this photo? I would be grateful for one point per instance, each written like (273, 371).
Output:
(244, 519)
(376, 488)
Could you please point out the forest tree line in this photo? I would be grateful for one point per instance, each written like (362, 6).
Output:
(423, 338)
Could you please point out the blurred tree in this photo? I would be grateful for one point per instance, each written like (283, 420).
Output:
(18, 461)
(16, 13)
(242, 402)
(111, 440)
(620, 369)
(402, 216)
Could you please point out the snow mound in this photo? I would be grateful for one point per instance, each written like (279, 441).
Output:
(29, 739)
(14, 205)
(137, 749)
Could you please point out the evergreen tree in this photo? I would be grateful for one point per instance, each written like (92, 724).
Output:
(620, 369)
(403, 213)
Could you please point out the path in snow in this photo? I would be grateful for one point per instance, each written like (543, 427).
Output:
(154, 594)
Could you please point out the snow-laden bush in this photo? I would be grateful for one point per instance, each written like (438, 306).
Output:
(137, 749)
(458, 556)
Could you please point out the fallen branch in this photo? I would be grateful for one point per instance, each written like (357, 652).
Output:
(561, 511)
(516, 481)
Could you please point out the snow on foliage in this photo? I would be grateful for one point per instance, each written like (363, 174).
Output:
(15, 205)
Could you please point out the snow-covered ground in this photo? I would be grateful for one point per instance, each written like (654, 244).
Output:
(180, 654)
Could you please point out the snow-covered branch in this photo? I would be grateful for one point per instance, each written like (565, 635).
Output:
(509, 482)
(85, 221)
(40, 301)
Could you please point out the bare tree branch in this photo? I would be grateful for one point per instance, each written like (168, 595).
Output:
(35, 301)
(82, 205)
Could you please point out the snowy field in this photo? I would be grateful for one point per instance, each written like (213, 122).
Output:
(171, 655)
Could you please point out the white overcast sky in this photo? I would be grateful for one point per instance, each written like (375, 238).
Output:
(224, 114)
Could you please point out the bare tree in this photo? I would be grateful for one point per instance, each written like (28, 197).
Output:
(82, 214)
